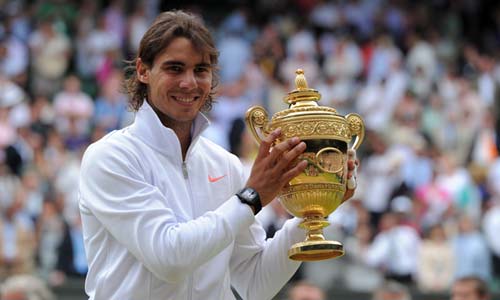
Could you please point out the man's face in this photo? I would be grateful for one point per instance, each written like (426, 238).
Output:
(179, 82)
(464, 291)
(306, 293)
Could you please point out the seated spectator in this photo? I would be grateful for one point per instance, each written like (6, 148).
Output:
(16, 240)
(471, 249)
(436, 261)
(74, 110)
(50, 57)
(111, 105)
(50, 234)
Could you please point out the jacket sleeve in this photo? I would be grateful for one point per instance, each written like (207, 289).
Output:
(259, 267)
(134, 212)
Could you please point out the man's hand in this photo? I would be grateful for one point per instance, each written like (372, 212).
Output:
(273, 167)
(352, 167)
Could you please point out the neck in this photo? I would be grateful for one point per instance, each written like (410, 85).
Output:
(183, 132)
(181, 129)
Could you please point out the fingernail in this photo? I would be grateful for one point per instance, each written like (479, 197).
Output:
(351, 183)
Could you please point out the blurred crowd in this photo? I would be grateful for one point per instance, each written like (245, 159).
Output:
(424, 75)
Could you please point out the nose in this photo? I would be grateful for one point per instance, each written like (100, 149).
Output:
(188, 80)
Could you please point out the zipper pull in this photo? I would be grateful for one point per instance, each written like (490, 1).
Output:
(184, 170)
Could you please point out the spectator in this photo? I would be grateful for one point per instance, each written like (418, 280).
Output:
(50, 55)
(50, 228)
(474, 258)
(14, 57)
(436, 261)
(16, 239)
(74, 110)
(111, 105)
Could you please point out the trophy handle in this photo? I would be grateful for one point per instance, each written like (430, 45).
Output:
(256, 117)
(357, 127)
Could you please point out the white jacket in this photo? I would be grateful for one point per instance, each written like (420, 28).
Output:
(156, 227)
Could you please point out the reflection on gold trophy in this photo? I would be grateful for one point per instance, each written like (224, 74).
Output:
(319, 190)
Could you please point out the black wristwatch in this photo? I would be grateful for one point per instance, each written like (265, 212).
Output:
(250, 197)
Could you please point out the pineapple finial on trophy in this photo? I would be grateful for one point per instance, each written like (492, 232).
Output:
(302, 95)
(300, 80)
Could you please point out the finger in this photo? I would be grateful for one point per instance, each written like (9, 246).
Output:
(291, 155)
(268, 141)
(282, 147)
(352, 183)
(295, 171)
(351, 156)
(348, 194)
(352, 178)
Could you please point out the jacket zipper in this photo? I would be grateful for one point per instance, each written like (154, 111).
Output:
(184, 170)
(186, 177)
(190, 287)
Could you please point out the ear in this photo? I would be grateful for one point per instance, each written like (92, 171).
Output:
(142, 71)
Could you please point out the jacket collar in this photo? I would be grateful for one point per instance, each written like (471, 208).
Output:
(148, 128)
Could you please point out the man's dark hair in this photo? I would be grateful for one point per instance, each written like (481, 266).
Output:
(166, 27)
(481, 287)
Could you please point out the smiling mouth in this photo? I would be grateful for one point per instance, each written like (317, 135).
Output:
(186, 99)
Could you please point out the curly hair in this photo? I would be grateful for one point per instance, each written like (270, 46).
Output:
(166, 27)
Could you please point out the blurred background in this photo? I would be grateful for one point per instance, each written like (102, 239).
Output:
(425, 76)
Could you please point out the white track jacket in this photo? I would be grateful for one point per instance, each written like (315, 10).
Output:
(158, 227)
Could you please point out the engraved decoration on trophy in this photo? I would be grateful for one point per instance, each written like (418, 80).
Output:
(319, 190)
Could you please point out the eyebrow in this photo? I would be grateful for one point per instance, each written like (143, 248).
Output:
(180, 63)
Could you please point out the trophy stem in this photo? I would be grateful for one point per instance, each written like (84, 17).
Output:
(315, 247)
(315, 235)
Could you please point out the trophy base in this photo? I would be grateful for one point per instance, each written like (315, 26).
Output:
(315, 250)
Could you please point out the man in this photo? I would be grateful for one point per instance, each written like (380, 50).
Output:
(303, 290)
(470, 288)
(166, 213)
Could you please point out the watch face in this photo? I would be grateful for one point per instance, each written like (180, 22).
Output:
(249, 194)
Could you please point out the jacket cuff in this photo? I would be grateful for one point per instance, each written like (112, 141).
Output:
(239, 216)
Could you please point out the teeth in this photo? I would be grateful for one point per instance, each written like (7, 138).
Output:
(185, 100)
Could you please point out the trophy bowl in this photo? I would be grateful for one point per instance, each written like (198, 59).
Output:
(319, 190)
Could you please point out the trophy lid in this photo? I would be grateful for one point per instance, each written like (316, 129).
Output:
(303, 101)
(306, 119)
(309, 121)
(302, 94)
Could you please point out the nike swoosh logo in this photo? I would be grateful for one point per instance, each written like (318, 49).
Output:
(215, 179)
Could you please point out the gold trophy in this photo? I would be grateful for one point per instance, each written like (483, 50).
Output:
(319, 190)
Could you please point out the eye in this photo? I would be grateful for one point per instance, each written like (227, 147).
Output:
(174, 69)
(201, 70)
